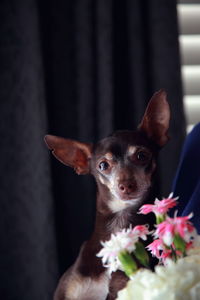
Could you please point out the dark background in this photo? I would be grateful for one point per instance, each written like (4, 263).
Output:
(78, 69)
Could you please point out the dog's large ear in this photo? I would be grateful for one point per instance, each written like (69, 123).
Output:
(71, 153)
(155, 122)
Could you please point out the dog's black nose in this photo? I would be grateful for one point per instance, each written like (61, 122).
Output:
(126, 187)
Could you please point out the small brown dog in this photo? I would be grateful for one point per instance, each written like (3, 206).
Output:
(123, 165)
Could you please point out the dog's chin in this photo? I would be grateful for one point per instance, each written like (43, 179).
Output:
(118, 203)
(132, 200)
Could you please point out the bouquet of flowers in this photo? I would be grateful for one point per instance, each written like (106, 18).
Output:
(176, 244)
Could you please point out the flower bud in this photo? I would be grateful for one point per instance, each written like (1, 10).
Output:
(141, 254)
(128, 263)
(179, 243)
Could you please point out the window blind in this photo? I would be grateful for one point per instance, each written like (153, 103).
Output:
(189, 38)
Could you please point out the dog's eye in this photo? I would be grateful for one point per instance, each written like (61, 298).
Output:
(104, 165)
(143, 156)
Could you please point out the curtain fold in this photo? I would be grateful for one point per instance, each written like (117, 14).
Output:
(28, 256)
(78, 69)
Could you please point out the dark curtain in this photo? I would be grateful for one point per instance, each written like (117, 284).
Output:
(78, 69)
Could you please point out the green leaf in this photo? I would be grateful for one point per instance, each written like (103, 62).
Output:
(141, 254)
(179, 243)
(160, 218)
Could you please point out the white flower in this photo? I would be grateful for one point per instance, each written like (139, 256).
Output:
(123, 240)
(193, 255)
(176, 281)
(195, 238)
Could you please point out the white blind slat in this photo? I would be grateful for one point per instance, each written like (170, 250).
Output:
(190, 49)
(192, 105)
(191, 79)
(189, 18)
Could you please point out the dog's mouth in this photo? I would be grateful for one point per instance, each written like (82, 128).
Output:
(133, 196)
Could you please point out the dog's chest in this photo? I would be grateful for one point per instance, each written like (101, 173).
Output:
(120, 221)
(86, 288)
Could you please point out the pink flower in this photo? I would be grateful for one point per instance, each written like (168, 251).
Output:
(146, 209)
(155, 247)
(159, 207)
(167, 230)
(141, 231)
(167, 253)
(184, 228)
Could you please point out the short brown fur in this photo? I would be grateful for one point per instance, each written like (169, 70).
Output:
(124, 180)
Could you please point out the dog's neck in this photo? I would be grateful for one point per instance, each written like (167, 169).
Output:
(107, 223)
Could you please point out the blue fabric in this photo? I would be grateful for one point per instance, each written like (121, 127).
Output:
(187, 180)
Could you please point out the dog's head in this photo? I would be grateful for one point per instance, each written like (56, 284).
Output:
(124, 162)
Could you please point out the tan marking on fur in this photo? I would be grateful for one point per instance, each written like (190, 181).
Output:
(108, 183)
(108, 156)
(132, 150)
(102, 180)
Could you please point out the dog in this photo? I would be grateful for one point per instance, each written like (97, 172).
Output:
(123, 165)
